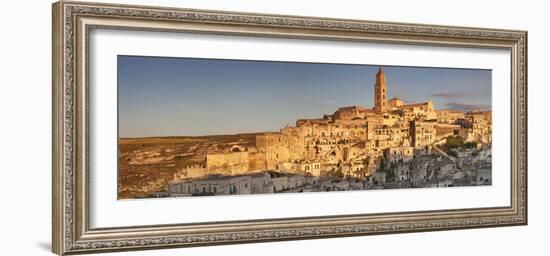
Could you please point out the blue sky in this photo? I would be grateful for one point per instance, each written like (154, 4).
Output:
(160, 96)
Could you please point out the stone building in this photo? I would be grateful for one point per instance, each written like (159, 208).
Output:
(449, 116)
(213, 185)
(303, 167)
(352, 140)
(395, 103)
(419, 111)
(481, 126)
(399, 154)
(352, 112)
(380, 100)
(423, 133)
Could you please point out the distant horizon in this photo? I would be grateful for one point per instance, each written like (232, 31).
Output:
(165, 96)
(195, 136)
(233, 134)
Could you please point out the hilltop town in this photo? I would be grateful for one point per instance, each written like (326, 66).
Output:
(391, 145)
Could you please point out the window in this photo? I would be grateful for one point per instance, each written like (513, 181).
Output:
(215, 190)
(246, 185)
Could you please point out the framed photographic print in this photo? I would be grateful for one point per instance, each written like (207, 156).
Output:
(178, 127)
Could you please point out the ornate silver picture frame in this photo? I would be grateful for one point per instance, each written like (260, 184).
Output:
(74, 21)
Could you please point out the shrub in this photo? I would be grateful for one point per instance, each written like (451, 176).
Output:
(338, 173)
(452, 153)
(454, 142)
(470, 144)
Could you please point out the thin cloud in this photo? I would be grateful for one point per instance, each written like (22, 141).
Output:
(452, 95)
(467, 106)
(456, 95)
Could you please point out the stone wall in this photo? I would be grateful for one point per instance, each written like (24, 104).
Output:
(233, 163)
(191, 171)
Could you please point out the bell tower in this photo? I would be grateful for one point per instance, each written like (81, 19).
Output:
(380, 100)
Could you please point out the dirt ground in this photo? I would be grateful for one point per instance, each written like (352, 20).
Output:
(147, 164)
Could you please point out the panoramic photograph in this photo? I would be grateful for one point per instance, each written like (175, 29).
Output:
(192, 127)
